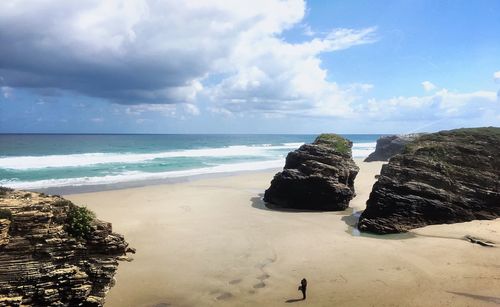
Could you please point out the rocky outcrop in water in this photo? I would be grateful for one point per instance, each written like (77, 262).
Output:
(445, 177)
(391, 145)
(53, 253)
(317, 176)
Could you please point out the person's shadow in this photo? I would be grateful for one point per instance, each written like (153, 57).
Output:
(294, 300)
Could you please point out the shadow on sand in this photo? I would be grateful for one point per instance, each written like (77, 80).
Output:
(352, 229)
(294, 300)
(350, 217)
(490, 299)
(259, 203)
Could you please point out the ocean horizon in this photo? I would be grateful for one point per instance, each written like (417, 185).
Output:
(52, 161)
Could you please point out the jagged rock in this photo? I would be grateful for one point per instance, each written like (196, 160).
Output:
(318, 176)
(445, 177)
(41, 264)
(389, 146)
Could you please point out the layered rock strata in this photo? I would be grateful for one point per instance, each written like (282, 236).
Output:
(389, 146)
(445, 177)
(317, 176)
(41, 264)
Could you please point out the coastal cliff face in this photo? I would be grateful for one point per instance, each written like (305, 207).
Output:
(389, 146)
(53, 253)
(317, 176)
(445, 177)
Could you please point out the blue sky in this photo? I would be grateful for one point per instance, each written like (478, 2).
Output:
(248, 67)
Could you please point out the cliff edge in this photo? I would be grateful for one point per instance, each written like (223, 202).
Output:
(440, 178)
(391, 145)
(55, 253)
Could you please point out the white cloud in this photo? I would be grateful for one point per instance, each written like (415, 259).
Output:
(306, 30)
(167, 56)
(496, 76)
(180, 110)
(267, 74)
(6, 91)
(440, 105)
(131, 52)
(428, 86)
(171, 52)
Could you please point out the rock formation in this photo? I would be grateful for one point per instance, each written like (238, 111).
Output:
(53, 253)
(318, 176)
(445, 177)
(391, 145)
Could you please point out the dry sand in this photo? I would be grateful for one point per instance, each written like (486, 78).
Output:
(212, 242)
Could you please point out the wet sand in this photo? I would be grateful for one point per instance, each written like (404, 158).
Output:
(212, 242)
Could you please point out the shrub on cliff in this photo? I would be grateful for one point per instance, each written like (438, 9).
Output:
(80, 221)
(4, 190)
(5, 214)
(334, 141)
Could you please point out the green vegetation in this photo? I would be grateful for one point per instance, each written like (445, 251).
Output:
(334, 141)
(435, 144)
(4, 191)
(62, 203)
(80, 221)
(5, 214)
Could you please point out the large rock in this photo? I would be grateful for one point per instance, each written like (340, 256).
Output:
(445, 177)
(391, 145)
(318, 176)
(42, 264)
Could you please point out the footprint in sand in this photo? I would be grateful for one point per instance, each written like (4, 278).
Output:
(222, 295)
(266, 262)
(261, 266)
(235, 281)
(263, 277)
(259, 285)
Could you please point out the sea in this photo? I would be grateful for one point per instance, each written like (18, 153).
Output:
(92, 162)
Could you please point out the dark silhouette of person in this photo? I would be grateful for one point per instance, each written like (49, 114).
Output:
(303, 288)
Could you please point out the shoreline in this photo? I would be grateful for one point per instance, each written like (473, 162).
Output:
(212, 242)
(70, 190)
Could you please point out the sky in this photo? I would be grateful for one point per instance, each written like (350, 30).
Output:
(260, 66)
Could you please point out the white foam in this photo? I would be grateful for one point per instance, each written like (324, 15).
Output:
(359, 150)
(75, 160)
(142, 176)
(361, 153)
(362, 150)
(297, 145)
(368, 145)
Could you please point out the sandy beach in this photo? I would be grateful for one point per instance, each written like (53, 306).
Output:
(212, 242)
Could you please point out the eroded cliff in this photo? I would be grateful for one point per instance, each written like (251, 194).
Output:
(445, 177)
(317, 176)
(54, 253)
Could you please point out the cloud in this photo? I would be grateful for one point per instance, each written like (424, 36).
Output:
(441, 105)
(306, 30)
(6, 91)
(428, 86)
(496, 76)
(130, 52)
(181, 110)
(171, 52)
(269, 75)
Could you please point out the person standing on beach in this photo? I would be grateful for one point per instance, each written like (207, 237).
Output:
(303, 288)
